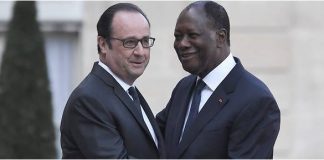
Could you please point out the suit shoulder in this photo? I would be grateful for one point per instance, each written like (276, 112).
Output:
(90, 89)
(255, 85)
(184, 82)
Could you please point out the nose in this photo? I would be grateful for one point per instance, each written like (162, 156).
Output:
(139, 49)
(183, 43)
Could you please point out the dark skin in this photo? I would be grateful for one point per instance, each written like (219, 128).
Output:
(199, 45)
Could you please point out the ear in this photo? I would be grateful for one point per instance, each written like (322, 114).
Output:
(221, 38)
(102, 45)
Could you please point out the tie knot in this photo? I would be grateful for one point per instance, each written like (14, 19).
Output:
(133, 93)
(135, 97)
(200, 85)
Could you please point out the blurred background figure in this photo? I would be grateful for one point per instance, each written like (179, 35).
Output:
(279, 42)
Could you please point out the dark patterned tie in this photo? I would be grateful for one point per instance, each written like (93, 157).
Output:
(195, 103)
(136, 100)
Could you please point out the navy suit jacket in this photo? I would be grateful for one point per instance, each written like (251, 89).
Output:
(101, 121)
(241, 119)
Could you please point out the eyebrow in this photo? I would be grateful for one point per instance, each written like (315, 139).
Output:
(133, 37)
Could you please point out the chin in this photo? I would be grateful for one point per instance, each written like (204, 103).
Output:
(137, 73)
(191, 69)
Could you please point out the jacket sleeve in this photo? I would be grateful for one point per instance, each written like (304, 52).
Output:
(89, 129)
(255, 130)
(161, 119)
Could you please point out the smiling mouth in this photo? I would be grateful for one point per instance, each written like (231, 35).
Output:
(137, 64)
(186, 56)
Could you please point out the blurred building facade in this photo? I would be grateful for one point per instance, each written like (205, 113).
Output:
(280, 42)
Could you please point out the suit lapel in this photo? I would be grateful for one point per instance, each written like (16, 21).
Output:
(148, 112)
(120, 93)
(123, 96)
(212, 107)
(181, 103)
(151, 118)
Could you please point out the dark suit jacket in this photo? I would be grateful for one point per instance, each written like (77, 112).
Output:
(241, 119)
(100, 121)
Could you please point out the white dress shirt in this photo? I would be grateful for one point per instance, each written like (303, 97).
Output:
(212, 81)
(125, 86)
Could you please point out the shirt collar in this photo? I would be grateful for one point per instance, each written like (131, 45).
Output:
(120, 81)
(218, 74)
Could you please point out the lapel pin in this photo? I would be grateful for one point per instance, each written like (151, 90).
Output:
(220, 100)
